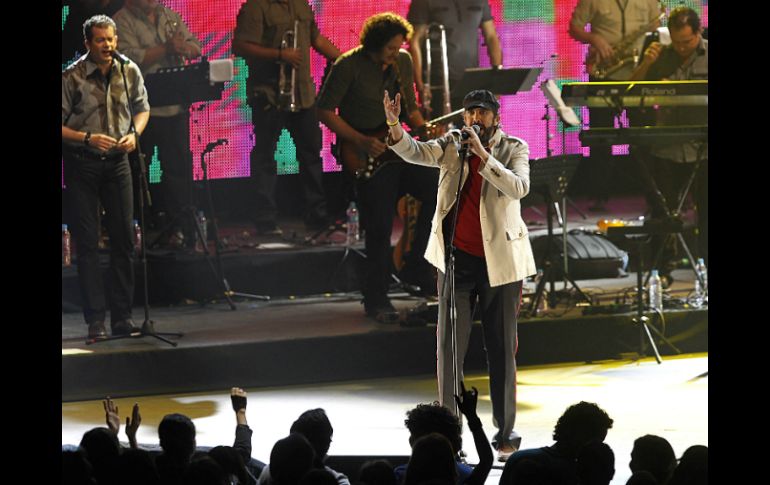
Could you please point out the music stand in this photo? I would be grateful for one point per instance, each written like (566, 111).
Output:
(499, 81)
(188, 84)
(550, 177)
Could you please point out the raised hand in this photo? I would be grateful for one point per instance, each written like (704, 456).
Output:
(111, 415)
(132, 425)
(238, 398)
(392, 108)
(467, 401)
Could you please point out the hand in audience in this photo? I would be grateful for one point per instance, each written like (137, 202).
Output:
(111, 415)
(467, 401)
(238, 398)
(132, 425)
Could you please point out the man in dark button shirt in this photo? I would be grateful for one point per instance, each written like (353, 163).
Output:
(685, 59)
(355, 86)
(462, 20)
(259, 32)
(96, 140)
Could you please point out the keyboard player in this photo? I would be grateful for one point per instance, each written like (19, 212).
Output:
(686, 58)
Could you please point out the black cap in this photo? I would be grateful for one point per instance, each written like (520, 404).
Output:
(481, 98)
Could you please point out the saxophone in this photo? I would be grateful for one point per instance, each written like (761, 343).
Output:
(623, 52)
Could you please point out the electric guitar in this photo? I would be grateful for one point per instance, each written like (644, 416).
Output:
(364, 166)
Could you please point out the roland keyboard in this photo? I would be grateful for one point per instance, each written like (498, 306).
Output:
(636, 93)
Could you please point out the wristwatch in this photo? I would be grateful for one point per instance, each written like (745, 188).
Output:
(87, 139)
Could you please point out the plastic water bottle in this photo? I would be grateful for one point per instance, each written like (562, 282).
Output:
(137, 237)
(655, 292)
(701, 295)
(203, 224)
(352, 213)
(66, 246)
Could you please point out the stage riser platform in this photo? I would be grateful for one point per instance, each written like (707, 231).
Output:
(175, 277)
(390, 352)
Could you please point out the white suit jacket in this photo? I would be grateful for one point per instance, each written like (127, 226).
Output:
(507, 249)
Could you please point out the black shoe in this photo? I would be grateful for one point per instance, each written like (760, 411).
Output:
(96, 330)
(124, 327)
(383, 312)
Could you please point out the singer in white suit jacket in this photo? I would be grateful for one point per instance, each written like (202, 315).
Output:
(507, 254)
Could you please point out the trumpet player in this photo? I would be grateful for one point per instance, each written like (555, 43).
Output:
(154, 37)
(611, 22)
(261, 38)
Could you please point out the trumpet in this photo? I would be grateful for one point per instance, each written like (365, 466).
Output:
(287, 81)
(438, 30)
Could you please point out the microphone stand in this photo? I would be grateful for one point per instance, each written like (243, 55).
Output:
(218, 271)
(148, 327)
(449, 278)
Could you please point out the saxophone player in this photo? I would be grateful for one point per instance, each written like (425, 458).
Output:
(613, 22)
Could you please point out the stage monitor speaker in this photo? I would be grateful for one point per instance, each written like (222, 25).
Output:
(590, 255)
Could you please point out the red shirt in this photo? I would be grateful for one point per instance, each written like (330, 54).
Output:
(468, 233)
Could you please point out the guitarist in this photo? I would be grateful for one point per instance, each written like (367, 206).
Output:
(354, 87)
(611, 21)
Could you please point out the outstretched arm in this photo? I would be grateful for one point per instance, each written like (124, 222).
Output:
(242, 431)
(467, 404)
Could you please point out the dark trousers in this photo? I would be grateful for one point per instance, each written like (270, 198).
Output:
(304, 129)
(499, 308)
(171, 135)
(89, 182)
(378, 197)
(671, 177)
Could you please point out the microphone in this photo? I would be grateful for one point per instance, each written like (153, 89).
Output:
(120, 58)
(475, 128)
(464, 148)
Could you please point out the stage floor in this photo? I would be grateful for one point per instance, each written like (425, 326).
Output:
(642, 397)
